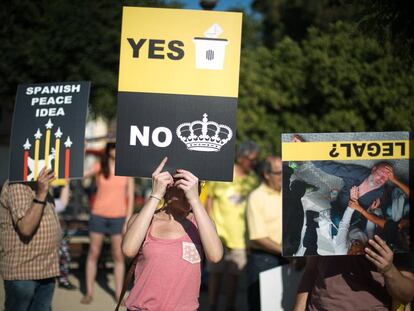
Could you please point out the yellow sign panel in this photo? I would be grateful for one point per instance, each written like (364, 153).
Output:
(174, 51)
(345, 150)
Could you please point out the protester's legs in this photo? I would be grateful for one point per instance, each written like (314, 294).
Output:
(19, 294)
(214, 280)
(215, 275)
(118, 258)
(258, 261)
(236, 262)
(42, 299)
(253, 285)
(232, 283)
(95, 246)
(64, 261)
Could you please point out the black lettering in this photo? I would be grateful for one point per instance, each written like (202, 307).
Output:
(359, 150)
(333, 153)
(348, 149)
(387, 149)
(174, 46)
(402, 147)
(374, 149)
(152, 48)
(136, 46)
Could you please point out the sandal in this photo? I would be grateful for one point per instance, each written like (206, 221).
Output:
(86, 299)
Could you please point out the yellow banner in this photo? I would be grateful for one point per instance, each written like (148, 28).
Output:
(345, 150)
(174, 51)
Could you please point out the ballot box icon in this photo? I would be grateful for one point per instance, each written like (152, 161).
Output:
(211, 50)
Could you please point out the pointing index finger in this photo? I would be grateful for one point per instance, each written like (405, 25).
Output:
(161, 166)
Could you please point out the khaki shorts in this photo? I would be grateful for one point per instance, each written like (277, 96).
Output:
(233, 262)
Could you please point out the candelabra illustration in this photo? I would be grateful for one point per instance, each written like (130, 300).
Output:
(48, 126)
(33, 163)
(26, 147)
(58, 135)
(68, 144)
(35, 169)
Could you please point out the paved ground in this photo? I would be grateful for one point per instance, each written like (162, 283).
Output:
(65, 300)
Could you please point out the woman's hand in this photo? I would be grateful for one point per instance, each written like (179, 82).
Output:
(188, 183)
(354, 193)
(161, 180)
(355, 205)
(390, 172)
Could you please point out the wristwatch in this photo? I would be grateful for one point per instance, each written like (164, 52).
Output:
(39, 202)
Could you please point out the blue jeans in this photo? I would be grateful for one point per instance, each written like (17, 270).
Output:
(29, 295)
(259, 261)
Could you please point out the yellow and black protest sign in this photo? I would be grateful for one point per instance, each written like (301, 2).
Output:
(166, 51)
(178, 89)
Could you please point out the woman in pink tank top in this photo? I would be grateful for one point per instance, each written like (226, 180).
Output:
(171, 242)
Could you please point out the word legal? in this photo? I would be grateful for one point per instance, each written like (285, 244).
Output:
(373, 149)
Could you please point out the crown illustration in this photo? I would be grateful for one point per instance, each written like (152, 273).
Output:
(204, 135)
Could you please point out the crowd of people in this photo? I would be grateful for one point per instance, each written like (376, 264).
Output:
(186, 227)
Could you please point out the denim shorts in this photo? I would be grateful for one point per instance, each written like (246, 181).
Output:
(105, 225)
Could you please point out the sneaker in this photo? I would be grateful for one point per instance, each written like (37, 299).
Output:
(67, 285)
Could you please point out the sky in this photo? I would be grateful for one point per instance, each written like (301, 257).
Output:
(222, 5)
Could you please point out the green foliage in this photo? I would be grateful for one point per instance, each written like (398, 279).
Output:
(299, 71)
(334, 80)
(293, 18)
(59, 40)
(390, 21)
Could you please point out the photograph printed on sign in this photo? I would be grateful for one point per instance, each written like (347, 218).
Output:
(341, 189)
(48, 130)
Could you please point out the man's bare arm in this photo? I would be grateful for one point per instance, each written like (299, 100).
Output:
(31, 220)
(399, 284)
(306, 283)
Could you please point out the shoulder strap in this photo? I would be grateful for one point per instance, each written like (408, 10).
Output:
(127, 280)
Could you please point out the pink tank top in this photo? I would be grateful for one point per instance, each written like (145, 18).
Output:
(168, 273)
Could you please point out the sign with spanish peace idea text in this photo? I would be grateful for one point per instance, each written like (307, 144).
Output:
(178, 88)
(49, 130)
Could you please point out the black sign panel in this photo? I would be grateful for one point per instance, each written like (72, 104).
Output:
(49, 129)
(197, 133)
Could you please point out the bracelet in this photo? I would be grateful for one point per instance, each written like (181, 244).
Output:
(153, 196)
(39, 202)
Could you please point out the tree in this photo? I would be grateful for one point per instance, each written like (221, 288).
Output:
(59, 40)
(292, 18)
(391, 21)
(335, 80)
